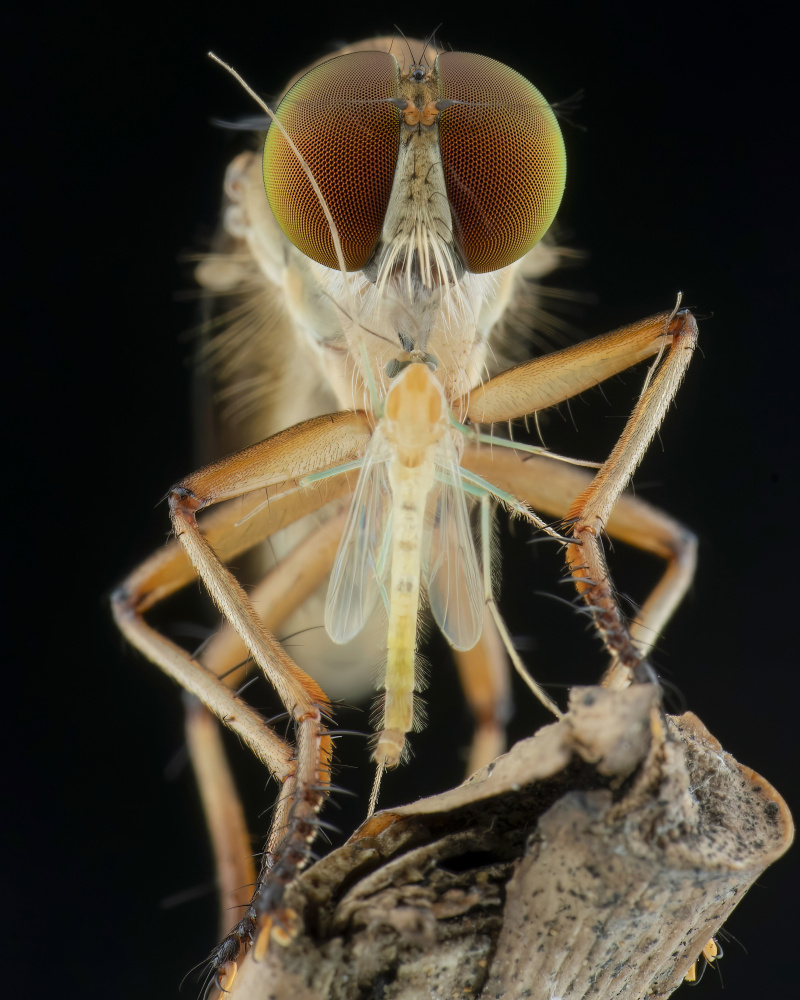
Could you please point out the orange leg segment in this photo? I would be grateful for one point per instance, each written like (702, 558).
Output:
(303, 770)
(556, 377)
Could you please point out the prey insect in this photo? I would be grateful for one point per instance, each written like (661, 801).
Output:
(389, 256)
(408, 532)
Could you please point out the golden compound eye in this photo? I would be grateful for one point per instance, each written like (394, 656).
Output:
(341, 117)
(503, 158)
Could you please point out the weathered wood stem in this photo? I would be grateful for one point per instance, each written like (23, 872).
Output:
(595, 859)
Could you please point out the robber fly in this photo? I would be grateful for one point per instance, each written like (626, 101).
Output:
(407, 194)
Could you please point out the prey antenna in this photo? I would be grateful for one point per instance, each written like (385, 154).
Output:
(513, 655)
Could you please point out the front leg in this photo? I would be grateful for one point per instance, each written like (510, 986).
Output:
(550, 380)
(287, 456)
(302, 771)
(591, 510)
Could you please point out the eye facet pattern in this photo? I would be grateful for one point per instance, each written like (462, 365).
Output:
(501, 147)
(341, 117)
(503, 158)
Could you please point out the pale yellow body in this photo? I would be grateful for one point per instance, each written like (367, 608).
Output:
(407, 533)
(415, 419)
(410, 486)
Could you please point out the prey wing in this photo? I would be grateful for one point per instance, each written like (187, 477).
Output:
(449, 562)
(363, 561)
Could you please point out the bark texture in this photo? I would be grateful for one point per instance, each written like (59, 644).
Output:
(595, 859)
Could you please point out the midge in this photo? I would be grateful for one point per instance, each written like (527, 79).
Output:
(406, 195)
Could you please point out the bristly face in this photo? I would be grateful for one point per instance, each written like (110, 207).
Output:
(439, 176)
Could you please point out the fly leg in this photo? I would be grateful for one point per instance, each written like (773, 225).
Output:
(299, 574)
(222, 808)
(483, 671)
(303, 771)
(556, 377)
(275, 598)
(550, 487)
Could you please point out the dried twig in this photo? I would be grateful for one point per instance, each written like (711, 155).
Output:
(595, 859)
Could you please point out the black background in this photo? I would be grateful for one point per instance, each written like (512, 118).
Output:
(682, 179)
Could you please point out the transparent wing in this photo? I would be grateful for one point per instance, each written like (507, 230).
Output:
(362, 562)
(450, 564)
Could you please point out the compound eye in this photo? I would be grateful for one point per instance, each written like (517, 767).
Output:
(503, 158)
(341, 117)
